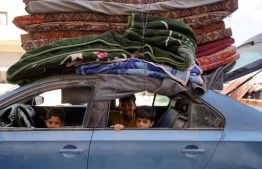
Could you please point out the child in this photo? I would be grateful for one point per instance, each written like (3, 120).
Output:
(55, 117)
(144, 115)
(125, 116)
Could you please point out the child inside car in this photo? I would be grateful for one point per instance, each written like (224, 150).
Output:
(125, 116)
(55, 117)
(144, 118)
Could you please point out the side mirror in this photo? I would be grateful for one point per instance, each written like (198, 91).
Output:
(38, 100)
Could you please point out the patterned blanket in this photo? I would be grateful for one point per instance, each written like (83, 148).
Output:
(77, 26)
(210, 28)
(61, 34)
(135, 66)
(213, 36)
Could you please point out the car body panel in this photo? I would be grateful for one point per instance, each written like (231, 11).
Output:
(40, 149)
(141, 148)
(239, 117)
(241, 144)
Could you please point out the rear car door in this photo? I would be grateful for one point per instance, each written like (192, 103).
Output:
(152, 148)
(190, 145)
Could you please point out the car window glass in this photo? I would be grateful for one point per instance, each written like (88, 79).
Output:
(182, 113)
(72, 100)
(161, 100)
(204, 117)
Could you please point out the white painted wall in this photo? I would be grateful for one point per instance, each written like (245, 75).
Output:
(13, 8)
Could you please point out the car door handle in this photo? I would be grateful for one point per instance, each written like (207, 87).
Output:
(72, 151)
(193, 151)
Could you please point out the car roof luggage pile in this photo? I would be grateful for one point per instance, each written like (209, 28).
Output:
(180, 39)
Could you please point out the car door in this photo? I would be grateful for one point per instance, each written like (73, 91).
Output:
(65, 147)
(44, 148)
(191, 146)
(152, 148)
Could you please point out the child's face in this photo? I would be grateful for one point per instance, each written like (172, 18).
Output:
(54, 122)
(144, 122)
(127, 107)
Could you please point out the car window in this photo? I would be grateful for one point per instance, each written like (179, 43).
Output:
(204, 117)
(182, 113)
(71, 96)
(161, 100)
(185, 113)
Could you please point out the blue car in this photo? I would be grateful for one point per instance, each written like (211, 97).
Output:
(192, 129)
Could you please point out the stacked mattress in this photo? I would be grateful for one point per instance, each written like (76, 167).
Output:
(179, 37)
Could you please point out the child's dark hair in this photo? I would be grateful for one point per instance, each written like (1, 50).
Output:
(145, 112)
(57, 112)
(125, 99)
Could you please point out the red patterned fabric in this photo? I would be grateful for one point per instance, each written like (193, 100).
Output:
(229, 5)
(212, 50)
(33, 44)
(213, 36)
(219, 63)
(204, 19)
(77, 26)
(210, 28)
(217, 56)
(62, 34)
(207, 46)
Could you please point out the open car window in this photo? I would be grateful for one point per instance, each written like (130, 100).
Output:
(73, 97)
(182, 113)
